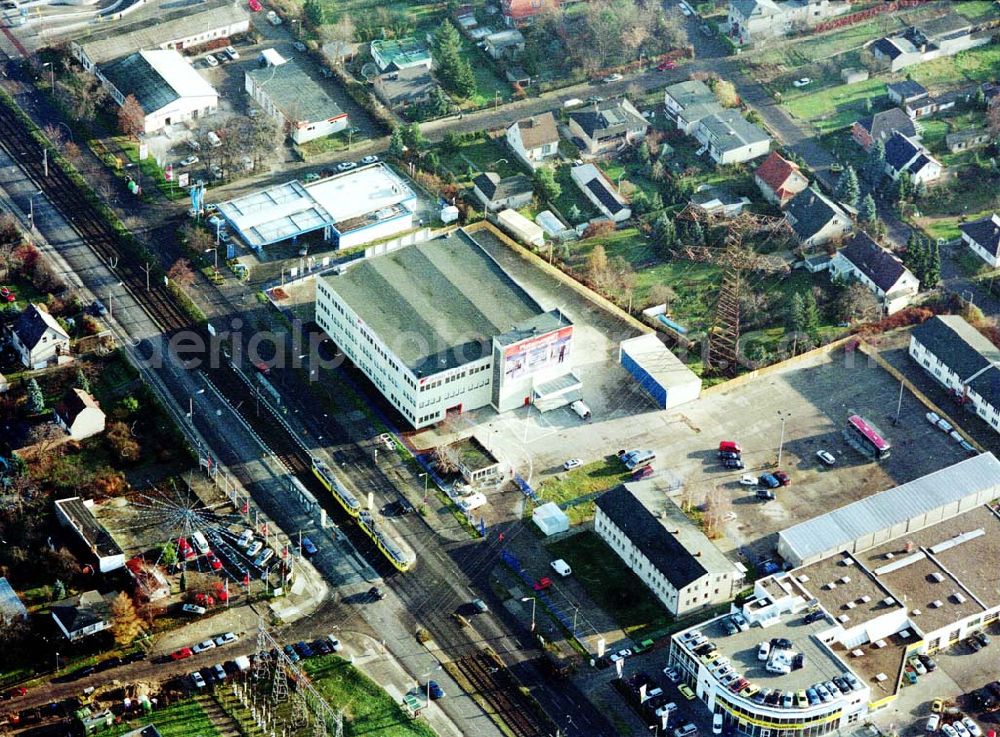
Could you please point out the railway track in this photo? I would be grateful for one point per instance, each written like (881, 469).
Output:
(491, 680)
(87, 220)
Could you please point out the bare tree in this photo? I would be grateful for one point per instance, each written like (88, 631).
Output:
(717, 508)
(725, 93)
(446, 458)
(598, 268)
(181, 273)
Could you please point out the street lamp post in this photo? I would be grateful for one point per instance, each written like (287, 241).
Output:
(426, 476)
(781, 441)
(52, 75)
(215, 251)
(533, 601)
(31, 209)
(191, 404)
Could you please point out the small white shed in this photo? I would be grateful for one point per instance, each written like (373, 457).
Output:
(550, 519)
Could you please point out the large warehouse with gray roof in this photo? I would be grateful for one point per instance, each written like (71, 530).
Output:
(440, 327)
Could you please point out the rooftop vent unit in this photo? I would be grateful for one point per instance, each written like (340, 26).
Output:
(888, 601)
(843, 619)
(803, 578)
(850, 605)
(905, 634)
(937, 576)
(879, 644)
(831, 585)
(881, 677)
(866, 598)
(959, 599)
(915, 613)
(937, 604)
(910, 547)
(847, 562)
(858, 653)
(845, 579)
(889, 556)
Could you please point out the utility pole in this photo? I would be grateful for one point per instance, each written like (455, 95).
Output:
(147, 268)
(899, 403)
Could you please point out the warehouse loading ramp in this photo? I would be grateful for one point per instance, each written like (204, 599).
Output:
(558, 392)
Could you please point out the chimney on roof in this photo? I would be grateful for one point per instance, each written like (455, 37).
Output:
(909, 546)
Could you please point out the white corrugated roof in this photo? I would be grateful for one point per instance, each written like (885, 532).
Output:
(841, 527)
(178, 73)
(649, 352)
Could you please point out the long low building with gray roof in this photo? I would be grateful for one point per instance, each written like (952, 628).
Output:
(297, 102)
(440, 327)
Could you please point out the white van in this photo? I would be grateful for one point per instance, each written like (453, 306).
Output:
(200, 543)
(561, 567)
(572, 102)
(472, 501)
(581, 409)
(763, 651)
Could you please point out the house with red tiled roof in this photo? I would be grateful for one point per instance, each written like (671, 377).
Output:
(522, 12)
(779, 179)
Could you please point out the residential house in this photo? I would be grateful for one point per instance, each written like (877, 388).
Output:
(779, 179)
(77, 514)
(905, 154)
(496, 193)
(816, 219)
(300, 105)
(944, 35)
(396, 54)
(596, 188)
(607, 126)
(983, 237)
(37, 337)
(963, 360)
(506, 45)
(83, 615)
(166, 86)
(731, 138)
(879, 270)
(519, 13)
(966, 140)
(881, 125)
(931, 104)
(534, 140)
(718, 201)
(399, 90)
(905, 91)
(756, 21)
(80, 415)
(665, 549)
(688, 103)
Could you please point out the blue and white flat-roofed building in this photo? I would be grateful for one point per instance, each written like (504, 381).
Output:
(440, 327)
(353, 208)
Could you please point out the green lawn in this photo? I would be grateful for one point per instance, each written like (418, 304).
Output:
(483, 155)
(180, 719)
(836, 107)
(976, 65)
(612, 585)
(976, 9)
(488, 82)
(568, 485)
(369, 709)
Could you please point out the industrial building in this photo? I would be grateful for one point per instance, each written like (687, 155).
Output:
(182, 27)
(356, 207)
(75, 514)
(166, 86)
(440, 327)
(662, 375)
(657, 541)
(858, 615)
(296, 101)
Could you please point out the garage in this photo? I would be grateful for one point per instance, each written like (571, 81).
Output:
(659, 373)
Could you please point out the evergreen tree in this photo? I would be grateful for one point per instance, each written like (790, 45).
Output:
(36, 400)
(439, 103)
(696, 234)
(980, 98)
(665, 231)
(640, 203)
(915, 257)
(810, 314)
(315, 13)
(58, 590)
(655, 202)
(642, 153)
(797, 314)
(903, 190)
(453, 70)
(932, 268)
(875, 165)
(574, 214)
(413, 137)
(848, 190)
(868, 212)
(81, 381)
(397, 145)
(868, 104)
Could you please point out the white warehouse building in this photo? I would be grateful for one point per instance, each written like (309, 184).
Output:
(439, 327)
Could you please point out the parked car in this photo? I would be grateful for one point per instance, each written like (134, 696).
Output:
(614, 78)
(197, 679)
(645, 472)
(203, 646)
(740, 621)
(346, 166)
(480, 606)
(729, 627)
(826, 457)
(974, 644)
(309, 548)
(620, 655)
(769, 480)
(673, 675)
(949, 730)
(665, 65)
(211, 60)
(273, 18)
(561, 567)
(376, 594)
(265, 555)
(933, 417)
(802, 82)
(369, 160)
(928, 662)
(184, 652)
(972, 727)
(944, 425)
(254, 548)
(435, 691)
(222, 57)
(227, 638)
(595, 99)
(188, 161)
(304, 649)
(232, 53)
(290, 652)
(917, 666)
(572, 463)
(193, 609)
(984, 639)
(686, 691)
(335, 643)
(782, 477)
(213, 561)
(765, 495)
(933, 722)
(814, 616)
(299, 46)
(748, 480)
(735, 464)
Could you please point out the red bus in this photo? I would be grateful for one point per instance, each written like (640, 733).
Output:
(867, 438)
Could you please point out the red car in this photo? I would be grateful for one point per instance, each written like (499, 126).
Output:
(16, 691)
(782, 478)
(642, 473)
(543, 583)
(665, 65)
(221, 595)
(184, 652)
(6, 295)
(184, 549)
(213, 561)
